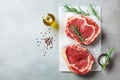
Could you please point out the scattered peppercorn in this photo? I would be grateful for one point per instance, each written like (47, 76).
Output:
(47, 40)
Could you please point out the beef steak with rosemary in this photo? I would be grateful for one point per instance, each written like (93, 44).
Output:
(82, 29)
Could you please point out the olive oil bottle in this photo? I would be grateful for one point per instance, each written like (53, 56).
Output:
(49, 20)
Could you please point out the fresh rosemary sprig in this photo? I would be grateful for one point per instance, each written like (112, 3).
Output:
(94, 12)
(69, 8)
(109, 52)
(77, 32)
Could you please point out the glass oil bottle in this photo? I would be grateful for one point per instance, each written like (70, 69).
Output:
(49, 20)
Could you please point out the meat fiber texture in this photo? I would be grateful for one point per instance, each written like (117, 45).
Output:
(78, 59)
(64, 40)
(88, 29)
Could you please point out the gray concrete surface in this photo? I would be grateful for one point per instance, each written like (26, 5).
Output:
(22, 59)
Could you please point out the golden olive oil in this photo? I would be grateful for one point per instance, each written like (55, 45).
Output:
(49, 20)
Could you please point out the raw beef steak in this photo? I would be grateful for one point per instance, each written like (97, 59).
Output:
(78, 59)
(82, 29)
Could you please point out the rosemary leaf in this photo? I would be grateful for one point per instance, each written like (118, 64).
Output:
(77, 32)
(69, 8)
(109, 53)
(104, 67)
(94, 12)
